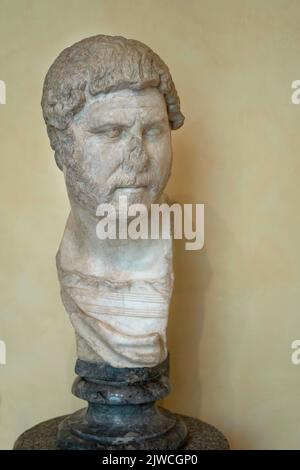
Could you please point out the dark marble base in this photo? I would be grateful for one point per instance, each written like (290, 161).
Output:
(122, 413)
(143, 427)
(202, 436)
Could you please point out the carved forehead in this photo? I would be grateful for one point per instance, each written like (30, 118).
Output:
(125, 105)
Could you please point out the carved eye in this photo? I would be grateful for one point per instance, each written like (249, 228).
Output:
(113, 133)
(152, 131)
(109, 132)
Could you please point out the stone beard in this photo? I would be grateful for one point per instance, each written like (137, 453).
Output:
(110, 104)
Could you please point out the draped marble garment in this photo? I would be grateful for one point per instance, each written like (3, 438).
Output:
(122, 323)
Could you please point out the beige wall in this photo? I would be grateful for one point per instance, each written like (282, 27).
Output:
(236, 307)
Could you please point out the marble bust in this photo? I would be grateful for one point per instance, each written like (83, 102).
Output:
(110, 104)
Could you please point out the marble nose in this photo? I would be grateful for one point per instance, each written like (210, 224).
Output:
(135, 157)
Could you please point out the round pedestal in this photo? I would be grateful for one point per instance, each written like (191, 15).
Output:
(122, 413)
(202, 436)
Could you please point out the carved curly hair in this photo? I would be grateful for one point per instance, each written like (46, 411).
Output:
(101, 64)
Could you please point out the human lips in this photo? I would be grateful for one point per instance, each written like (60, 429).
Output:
(132, 184)
(132, 187)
